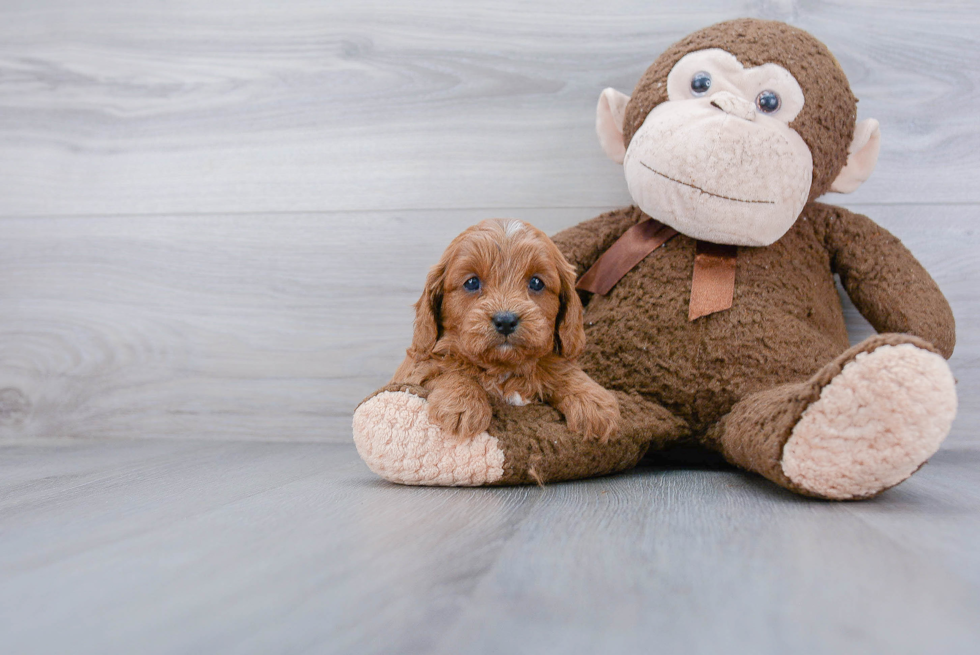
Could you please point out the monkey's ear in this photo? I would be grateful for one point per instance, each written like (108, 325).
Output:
(609, 123)
(861, 158)
(428, 323)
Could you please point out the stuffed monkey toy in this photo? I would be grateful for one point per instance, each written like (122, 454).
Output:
(711, 310)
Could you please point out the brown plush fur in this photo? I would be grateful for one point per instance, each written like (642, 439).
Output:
(785, 323)
(465, 362)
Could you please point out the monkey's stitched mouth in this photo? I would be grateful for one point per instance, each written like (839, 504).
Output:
(716, 195)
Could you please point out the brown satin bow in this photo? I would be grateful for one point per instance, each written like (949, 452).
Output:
(713, 283)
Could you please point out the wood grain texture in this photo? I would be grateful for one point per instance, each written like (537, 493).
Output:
(159, 272)
(231, 547)
(113, 107)
(245, 327)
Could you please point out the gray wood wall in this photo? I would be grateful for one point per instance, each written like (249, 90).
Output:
(214, 216)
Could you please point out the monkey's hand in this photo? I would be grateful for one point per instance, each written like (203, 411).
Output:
(460, 407)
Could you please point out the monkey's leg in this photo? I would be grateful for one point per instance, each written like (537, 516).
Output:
(865, 422)
(524, 445)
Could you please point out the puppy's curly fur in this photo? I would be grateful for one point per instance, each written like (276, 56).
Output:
(500, 321)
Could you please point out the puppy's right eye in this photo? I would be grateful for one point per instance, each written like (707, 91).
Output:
(472, 284)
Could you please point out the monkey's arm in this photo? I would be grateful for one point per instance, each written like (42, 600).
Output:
(885, 281)
(583, 243)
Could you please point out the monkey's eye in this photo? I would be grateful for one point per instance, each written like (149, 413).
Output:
(700, 83)
(535, 284)
(472, 284)
(767, 102)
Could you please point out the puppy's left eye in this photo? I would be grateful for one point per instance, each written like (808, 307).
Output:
(535, 284)
(472, 284)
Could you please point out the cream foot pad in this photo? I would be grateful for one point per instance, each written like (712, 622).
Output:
(874, 425)
(395, 439)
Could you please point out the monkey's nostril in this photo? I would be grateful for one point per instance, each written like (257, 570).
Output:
(733, 105)
(505, 322)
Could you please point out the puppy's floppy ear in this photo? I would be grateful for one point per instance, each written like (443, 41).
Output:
(569, 328)
(428, 310)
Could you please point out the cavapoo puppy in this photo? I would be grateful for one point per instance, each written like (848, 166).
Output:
(500, 321)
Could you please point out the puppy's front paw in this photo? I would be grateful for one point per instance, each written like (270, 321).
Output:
(460, 412)
(595, 413)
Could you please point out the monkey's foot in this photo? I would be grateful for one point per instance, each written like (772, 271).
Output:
(874, 424)
(397, 441)
(524, 445)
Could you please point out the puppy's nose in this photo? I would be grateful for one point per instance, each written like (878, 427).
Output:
(505, 322)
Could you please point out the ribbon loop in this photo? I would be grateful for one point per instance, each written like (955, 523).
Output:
(713, 282)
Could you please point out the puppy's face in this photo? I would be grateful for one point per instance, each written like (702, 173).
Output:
(502, 294)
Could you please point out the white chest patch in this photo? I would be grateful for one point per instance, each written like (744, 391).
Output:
(516, 400)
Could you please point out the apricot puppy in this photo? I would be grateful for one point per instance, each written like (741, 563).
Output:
(500, 321)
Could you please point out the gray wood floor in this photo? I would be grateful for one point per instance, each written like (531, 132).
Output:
(164, 546)
(214, 217)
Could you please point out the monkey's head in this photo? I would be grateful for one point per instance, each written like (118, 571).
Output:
(735, 128)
